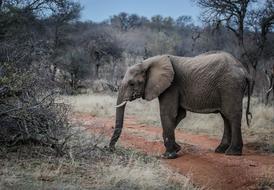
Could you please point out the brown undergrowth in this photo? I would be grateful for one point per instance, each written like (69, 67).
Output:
(86, 165)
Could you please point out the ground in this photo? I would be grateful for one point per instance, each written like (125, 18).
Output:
(199, 135)
(197, 158)
(136, 163)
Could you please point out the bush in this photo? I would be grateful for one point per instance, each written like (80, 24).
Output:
(29, 112)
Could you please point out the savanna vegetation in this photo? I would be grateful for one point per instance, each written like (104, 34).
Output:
(48, 56)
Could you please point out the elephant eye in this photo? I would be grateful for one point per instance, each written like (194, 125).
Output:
(131, 84)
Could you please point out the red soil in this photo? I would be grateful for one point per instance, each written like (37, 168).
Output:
(196, 159)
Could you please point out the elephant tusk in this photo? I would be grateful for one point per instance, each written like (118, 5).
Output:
(120, 105)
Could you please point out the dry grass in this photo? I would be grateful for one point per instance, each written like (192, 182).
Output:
(86, 166)
(96, 104)
(101, 105)
(260, 134)
(261, 131)
(137, 175)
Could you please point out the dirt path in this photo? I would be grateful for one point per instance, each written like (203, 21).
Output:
(196, 159)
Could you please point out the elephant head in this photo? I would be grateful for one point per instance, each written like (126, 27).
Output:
(147, 80)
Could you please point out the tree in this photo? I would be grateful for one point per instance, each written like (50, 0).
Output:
(237, 16)
(125, 21)
(120, 21)
(134, 21)
(168, 23)
(63, 15)
(183, 21)
(231, 13)
(75, 66)
(103, 46)
(156, 22)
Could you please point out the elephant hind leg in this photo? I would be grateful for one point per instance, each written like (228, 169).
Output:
(236, 145)
(232, 111)
(226, 140)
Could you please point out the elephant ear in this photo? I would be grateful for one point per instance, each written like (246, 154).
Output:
(159, 76)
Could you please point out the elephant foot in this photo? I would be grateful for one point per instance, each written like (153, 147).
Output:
(222, 148)
(236, 151)
(169, 155)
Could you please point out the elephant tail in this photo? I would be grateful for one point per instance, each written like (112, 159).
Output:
(248, 113)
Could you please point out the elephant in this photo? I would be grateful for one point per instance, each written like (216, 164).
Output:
(212, 82)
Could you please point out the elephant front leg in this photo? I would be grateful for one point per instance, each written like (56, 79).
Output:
(169, 138)
(171, 114)
(226, 140)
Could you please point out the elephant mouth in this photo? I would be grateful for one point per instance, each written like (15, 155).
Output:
(134, 97)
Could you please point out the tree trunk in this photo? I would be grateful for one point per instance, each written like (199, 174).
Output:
(53, 73)
(113, 71)
(97, 70)
(72, 82)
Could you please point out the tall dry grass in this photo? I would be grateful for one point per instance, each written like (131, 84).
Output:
(102, 105)
(86, 166)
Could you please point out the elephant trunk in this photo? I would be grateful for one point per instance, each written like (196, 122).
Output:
(120, 110)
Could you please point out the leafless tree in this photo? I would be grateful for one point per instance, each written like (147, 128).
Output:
(196, 34)
(237, 15)
(231, 13)
(103, 45)
(63, 15)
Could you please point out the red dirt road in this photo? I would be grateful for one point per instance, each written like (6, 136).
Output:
(196, 159)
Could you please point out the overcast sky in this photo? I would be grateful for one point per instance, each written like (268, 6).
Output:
(99, 10)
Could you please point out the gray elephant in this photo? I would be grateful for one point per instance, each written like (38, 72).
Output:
(213, 82)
